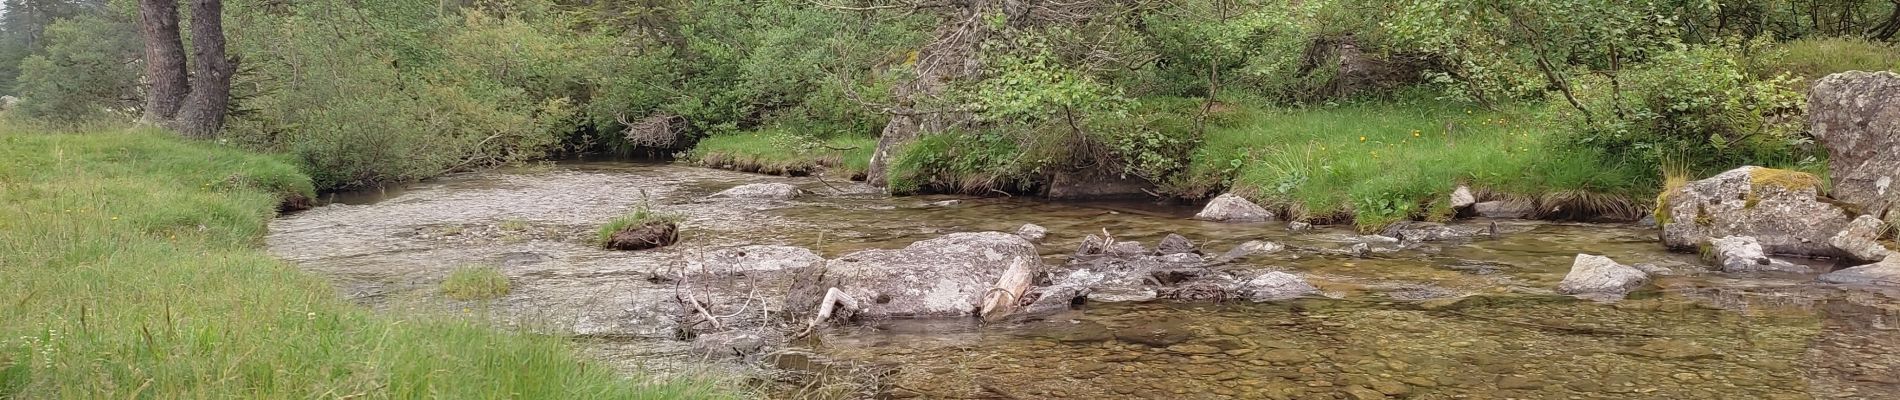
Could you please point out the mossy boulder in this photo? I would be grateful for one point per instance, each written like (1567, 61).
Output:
(1785, 210)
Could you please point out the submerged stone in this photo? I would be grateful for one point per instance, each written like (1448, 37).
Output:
(760, 191)
(1744, 254)
(1599, 275)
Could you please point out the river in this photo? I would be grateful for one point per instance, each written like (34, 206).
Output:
(1474, 319)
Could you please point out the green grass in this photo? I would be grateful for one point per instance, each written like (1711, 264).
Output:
(1811, 59)
(475, 283)
(640, 216)
(131, 267)
(1379, 163)
(783, 153)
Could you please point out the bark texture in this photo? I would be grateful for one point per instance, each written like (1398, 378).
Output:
(204, 108)
(164, 59)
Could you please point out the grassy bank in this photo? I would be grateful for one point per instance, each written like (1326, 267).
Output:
(1377, 163)
(783, 153)
(130, 267)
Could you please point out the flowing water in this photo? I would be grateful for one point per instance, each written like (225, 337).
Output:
(1452, 320)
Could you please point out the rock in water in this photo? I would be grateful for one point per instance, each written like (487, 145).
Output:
(1276, 286)
(1250, 248)
(1092, 245)
(1232, 208)
(760, 191)
(1592, 274)
(645, 236)
(1782, 209)
(1033, 233)
(1744, 254)
(1174, 244)
(1462, 198)
(941, 277)
(756, 258)
(1861, 239)
(1884, 273)
(1503, 209)
(1856, 116)
(1297, 226)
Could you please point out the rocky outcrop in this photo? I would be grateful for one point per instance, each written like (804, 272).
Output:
(1784, 210)
(941, 277)
(1884, 273)
(1861, 239)
(1745, 254)
(760, 191)
(1276, 286)
(1856, 116)
(1601, 276)
(1232, 208)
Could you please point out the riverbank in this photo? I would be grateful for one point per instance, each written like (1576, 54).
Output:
(131, 264)
(784, 153)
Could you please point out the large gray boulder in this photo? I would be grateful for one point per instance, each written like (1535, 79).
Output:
(1856, 116)
(1599, 275)
(1232, 208)
(1745, 254)
(1861, 239)
(1782, 209)
(1884, 273)
(941, 277)
(760, 191)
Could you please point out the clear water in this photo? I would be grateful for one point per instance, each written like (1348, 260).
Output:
(1459, 320)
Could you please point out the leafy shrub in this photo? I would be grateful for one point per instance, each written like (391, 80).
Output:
(89, 71)
(1696, 104)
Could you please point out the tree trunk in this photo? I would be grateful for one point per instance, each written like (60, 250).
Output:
(164, 59)
(204, 109)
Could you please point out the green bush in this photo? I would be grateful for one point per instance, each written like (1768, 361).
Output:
(89, 71)
(1699, 105)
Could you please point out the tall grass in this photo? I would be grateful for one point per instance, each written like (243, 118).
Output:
(1378, 163)
(1813, 58)
(783, 153)
(130, 267)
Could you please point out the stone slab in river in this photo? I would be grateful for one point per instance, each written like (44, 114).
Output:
(941, 277)
(1884, 273)
(1782, 209)
(1856, 116)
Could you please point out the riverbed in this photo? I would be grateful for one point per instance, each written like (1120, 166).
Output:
(1464, 319)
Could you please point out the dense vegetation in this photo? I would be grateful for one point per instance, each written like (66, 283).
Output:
(130, 267)
(1197, 96)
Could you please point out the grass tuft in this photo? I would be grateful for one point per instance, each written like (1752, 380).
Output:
(128, 270)
(784, 153)
(1374, 164)
(640, 216)
(475, 283)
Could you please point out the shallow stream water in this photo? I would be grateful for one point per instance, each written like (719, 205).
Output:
(1451, 320)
